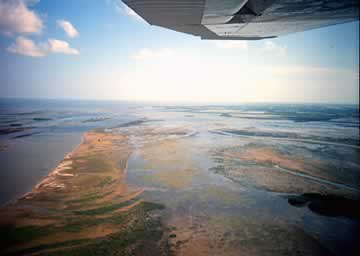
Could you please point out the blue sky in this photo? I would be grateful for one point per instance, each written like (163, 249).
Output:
(116, 55)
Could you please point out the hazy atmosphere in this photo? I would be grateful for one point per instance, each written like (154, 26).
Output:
(118, 137)
(103, 50)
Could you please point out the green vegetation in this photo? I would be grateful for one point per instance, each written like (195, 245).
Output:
(92, 163)
(91, 216)
(141, 235)
(76, 225)
(149, 206)
(140, 238)
(97, 163)
(42, 247)
(89, 198)
(105, 209)
(106, 181)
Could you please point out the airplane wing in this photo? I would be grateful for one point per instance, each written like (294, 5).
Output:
(244, 19)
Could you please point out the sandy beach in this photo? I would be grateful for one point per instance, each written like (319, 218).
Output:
(152, 188)
(85, 198)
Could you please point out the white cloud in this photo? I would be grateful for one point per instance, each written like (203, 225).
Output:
(146, 53)
(27, 47)
(270, 46)
(69, 29)
(232, 45)
(16, 17)
(58, 46)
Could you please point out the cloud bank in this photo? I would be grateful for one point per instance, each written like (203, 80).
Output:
(69, 29)
(17, 18)
(28, 47)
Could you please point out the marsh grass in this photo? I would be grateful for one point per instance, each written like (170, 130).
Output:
(141, 235)
(92, 163)
(105, 209)
(89, 198)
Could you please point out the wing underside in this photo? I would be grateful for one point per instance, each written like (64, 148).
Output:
(244, 19)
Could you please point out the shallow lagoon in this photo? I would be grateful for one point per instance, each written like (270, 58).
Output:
(242, 211)
(224, 194)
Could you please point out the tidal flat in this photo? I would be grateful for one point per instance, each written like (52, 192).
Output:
(230, 196)
(169, 183)
(84, 207)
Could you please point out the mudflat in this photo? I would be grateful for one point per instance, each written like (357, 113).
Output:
(82, 206)
(150, 189)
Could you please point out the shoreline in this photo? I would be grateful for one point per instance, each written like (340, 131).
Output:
(54, 170)
(23, 195)
(85, 198)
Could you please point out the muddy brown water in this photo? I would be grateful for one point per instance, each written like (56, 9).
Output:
(210, 214)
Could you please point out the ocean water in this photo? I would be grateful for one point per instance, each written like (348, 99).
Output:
(36, 134)
(208, 187)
